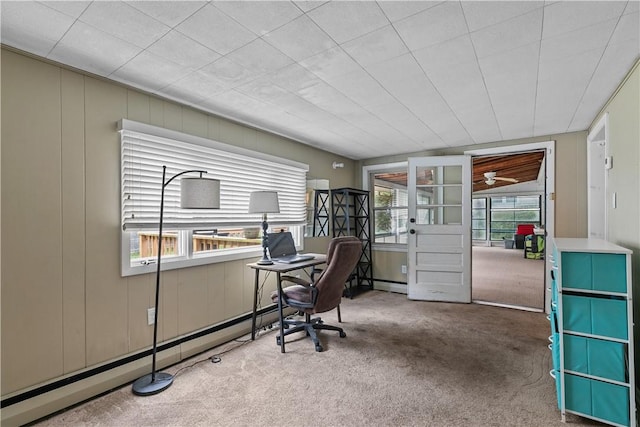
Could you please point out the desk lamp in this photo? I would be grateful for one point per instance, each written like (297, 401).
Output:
(264, 202)
(195, 193)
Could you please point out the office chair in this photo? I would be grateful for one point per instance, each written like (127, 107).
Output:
(324, 293)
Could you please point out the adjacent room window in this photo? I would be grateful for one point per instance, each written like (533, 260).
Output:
(390, 207)
(190, 236)
(506, 212)
(479, 219)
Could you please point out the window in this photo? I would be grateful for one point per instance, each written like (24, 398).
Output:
(479, 219)
(509, 211)
(390, 207)
(193, 237)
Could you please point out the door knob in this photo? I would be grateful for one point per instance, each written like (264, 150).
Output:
(412, 231)
(412, 220)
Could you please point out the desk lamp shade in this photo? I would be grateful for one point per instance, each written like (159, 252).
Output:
(199, 193)
(195, 193)
(264, 202)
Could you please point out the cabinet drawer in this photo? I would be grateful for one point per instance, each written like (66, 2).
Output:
(597, 399)
(593, 315)
(597, 271)
(601, 358)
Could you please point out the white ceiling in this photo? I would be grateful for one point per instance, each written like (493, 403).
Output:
(361, 79)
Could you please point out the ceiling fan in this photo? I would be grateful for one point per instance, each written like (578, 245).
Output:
(490, 178)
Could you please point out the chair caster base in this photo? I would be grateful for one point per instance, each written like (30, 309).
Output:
(343, 335)
(319, 348)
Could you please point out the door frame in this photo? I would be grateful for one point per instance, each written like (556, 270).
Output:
(550, 170)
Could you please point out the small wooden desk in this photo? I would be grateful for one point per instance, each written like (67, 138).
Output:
(279, 268)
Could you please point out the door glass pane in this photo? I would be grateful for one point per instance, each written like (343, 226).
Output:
(439, 195)
(430, 175)
(441, 215)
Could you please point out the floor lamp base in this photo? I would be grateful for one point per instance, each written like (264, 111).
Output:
(144, 386)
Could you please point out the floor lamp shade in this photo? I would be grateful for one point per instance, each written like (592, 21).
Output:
(195, 193)
(264, 202)
(199, 193)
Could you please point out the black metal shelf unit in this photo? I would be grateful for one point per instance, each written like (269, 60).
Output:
(350, 217)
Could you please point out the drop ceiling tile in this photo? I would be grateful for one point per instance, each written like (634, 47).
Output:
(71, 8)
(565, 16)
(628, 29)
(508, 35)
(263, 90)
(337, 19)
(300, 39)
(92, 50)
(32, 26)
(512, 75)
(294, 78)
(166, 11)
(182, 50)
(632, 7)
(399, 75)
(480, 121)
(215, 30)
(446, 54)
(229, 72)
(377, 46)
(307, 5)
(150, 71)
(480, 14)
(195, 87)
(461, 86)
(260, 17)
(330, 63)
(432, 26)
(519, 63)
(571, 69)
(360, 87)
(515, 119)
(123, 21)
(259, 56)
(616, 61)
(327, 98)
(575, 42)
(396, 10)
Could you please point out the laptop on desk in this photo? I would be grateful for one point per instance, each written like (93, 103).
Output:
(282, 248)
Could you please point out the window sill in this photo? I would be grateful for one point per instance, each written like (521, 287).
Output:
(196, 260)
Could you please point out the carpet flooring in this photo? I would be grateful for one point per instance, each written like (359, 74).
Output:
(403, 363)
(504, 276)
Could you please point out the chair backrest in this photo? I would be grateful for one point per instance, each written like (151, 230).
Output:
(343, 255)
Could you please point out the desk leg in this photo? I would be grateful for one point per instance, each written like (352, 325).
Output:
(280, 314)
(255, 306)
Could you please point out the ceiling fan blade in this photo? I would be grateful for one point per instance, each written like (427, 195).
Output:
(499, 178)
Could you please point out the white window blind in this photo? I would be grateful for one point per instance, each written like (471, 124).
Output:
(145, 149)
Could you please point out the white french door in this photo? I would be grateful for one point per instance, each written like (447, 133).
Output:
(439, 252)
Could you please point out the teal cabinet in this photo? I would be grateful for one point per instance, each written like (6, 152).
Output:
(592, 330)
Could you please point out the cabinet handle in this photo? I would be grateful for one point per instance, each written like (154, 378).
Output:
(550, 346)
(553, 373)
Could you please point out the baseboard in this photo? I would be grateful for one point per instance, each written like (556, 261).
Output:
(400, 288)
(121, 372)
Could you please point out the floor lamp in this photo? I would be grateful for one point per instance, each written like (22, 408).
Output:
(195, 193)
(264, 202)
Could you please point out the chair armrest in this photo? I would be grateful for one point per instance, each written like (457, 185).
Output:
(296, 280)
(302, 284)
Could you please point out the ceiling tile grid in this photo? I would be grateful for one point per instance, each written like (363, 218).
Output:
(362, 78)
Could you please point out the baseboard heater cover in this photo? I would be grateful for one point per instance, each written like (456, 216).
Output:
(125, 360)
